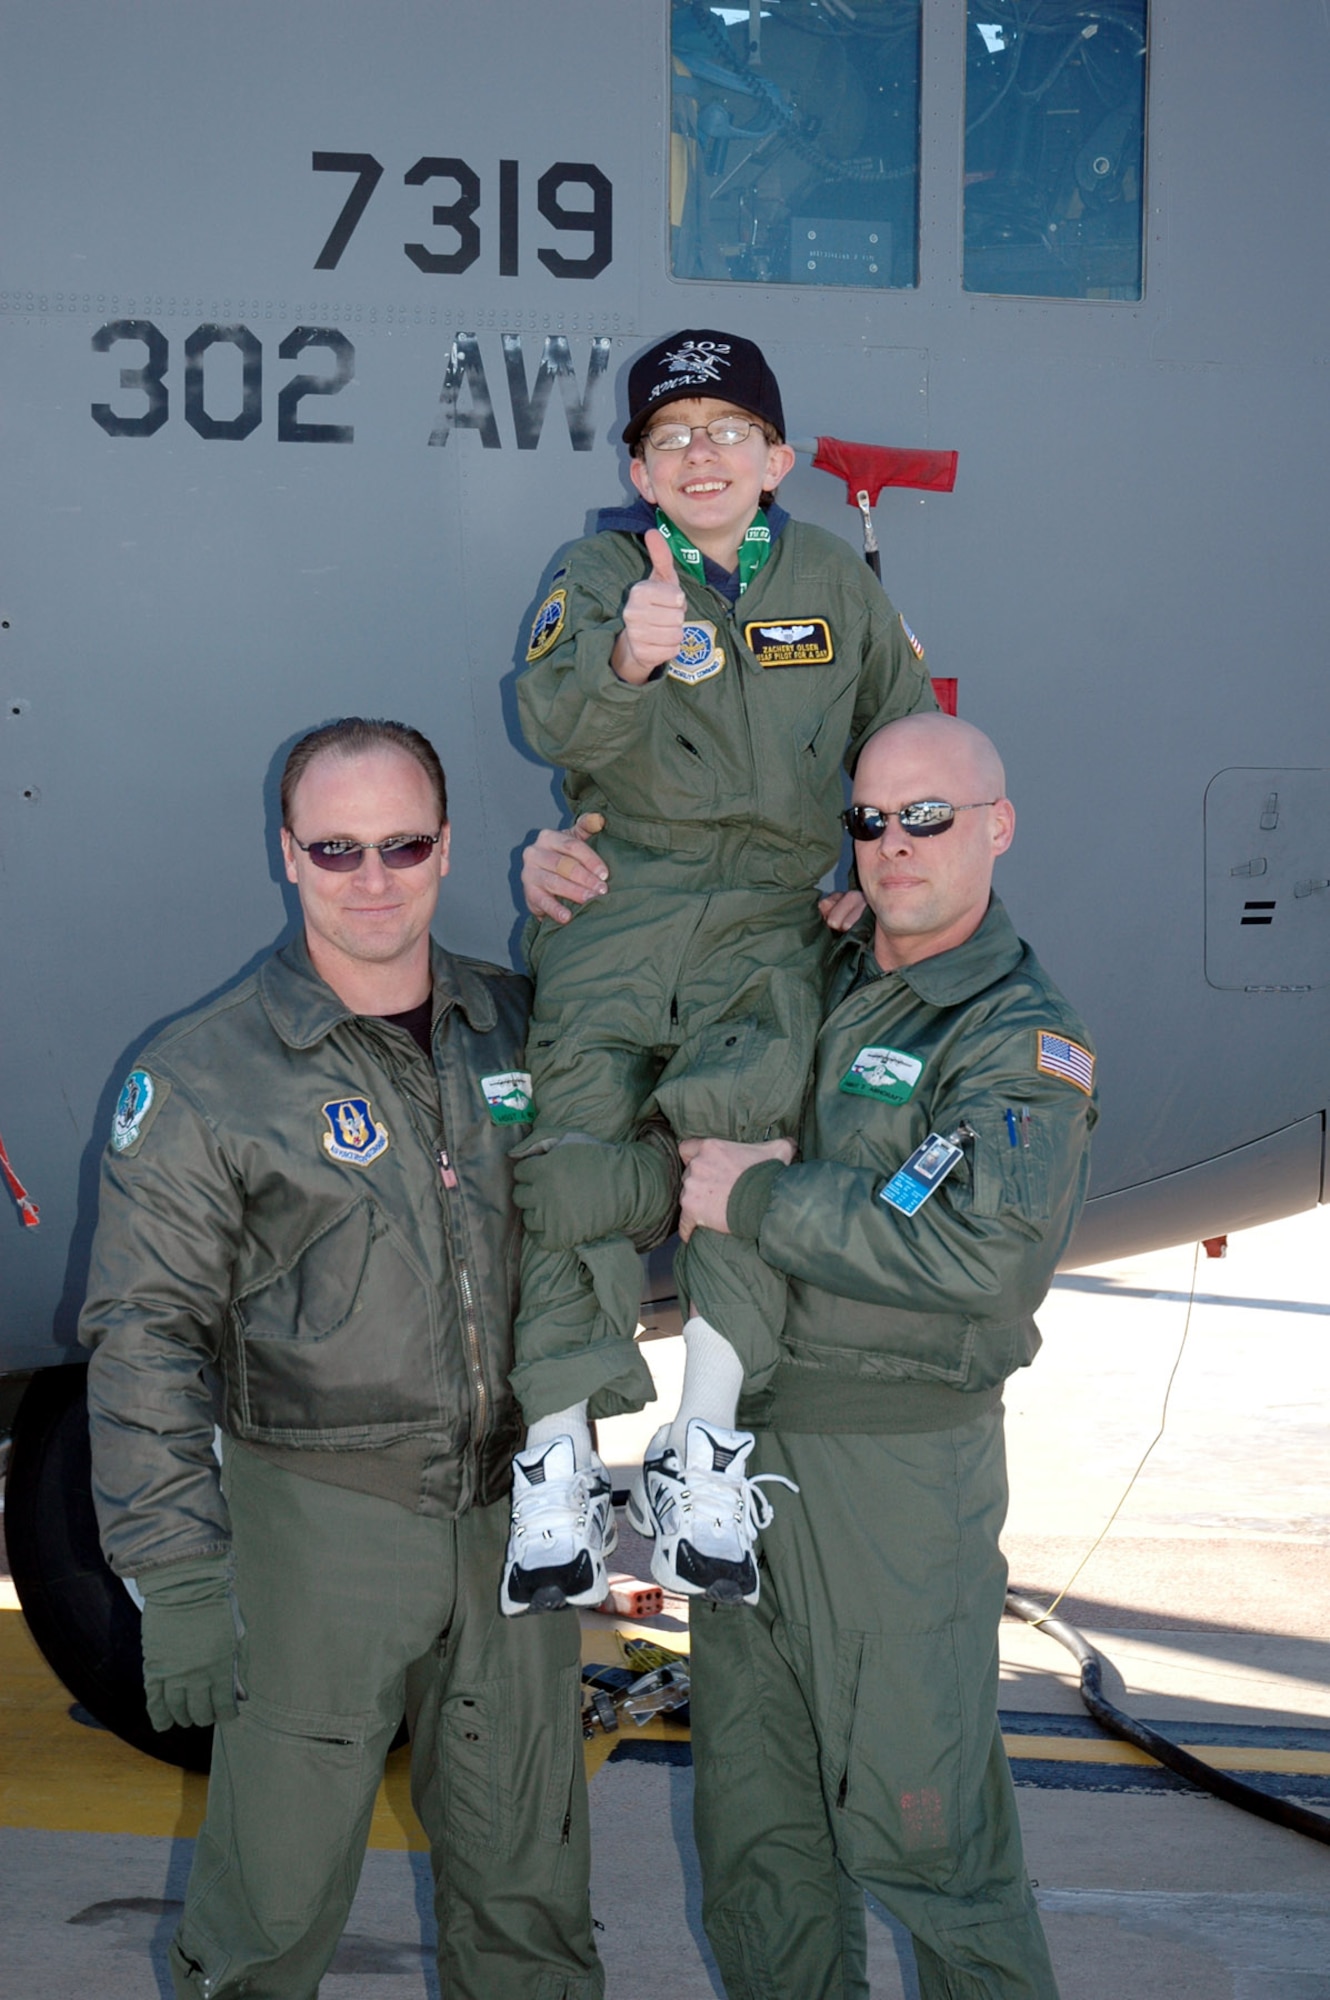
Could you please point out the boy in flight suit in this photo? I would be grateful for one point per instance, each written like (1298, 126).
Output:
(699, 668)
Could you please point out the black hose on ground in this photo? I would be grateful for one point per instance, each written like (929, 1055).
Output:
(1282, 1812)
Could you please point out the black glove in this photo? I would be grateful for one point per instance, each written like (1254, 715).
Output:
(577, 1189)
(189, 1642)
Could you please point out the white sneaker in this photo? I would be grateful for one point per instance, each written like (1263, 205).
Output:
(706, 1515)
(563, 1528)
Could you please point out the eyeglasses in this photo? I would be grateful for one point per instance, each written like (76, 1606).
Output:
(721, 430)
(921, 820)
(343, 857)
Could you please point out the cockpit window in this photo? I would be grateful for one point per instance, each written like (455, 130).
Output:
(795, 142)
(1054, 147)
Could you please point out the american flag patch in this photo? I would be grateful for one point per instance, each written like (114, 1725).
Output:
(1059, 1057)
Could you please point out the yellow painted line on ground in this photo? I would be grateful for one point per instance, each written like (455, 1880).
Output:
(58, 1775)
(1220, 1757)
(62, 1777)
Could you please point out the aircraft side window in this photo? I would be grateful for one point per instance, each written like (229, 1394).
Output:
(1054, 148)
(794, 144)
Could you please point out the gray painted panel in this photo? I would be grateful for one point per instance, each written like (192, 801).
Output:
(1281, 1174)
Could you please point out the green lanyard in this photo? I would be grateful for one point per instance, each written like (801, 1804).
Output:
(754, 549)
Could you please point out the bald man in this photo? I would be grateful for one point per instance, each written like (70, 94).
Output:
(845, 1731)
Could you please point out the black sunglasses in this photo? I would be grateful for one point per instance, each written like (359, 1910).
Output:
(343, 857)
(921, 820)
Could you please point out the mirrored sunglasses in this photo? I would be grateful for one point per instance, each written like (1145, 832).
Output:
(921, 820)
(343, 857)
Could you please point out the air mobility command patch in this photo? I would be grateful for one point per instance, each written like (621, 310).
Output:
(1059, 1057)
(141, 1098)
(547, 625)
(888, 1074)
(914, 644)
(508, 1096)
(791, 642)
(699, 657)
(354, 1137)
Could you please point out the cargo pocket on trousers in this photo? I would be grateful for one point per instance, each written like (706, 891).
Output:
(474, 1782)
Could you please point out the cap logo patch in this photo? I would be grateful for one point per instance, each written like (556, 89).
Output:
(547, 625)
(354, 1137)
(705, 361)
(793, 642)
(888, 1074)
(1059, 1057)
(699, 657)
(508, 1096)
(133, 1105)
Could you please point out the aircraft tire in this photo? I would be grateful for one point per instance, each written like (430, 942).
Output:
(82, 1618)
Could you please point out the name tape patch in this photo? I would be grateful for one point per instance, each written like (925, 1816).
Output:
(791, 642)
(1059, 1057)
(508, 1096)
(354, 1135)
(888, 1074)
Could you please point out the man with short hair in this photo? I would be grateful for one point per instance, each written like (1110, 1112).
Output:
(306, 1215)
(845, 1732)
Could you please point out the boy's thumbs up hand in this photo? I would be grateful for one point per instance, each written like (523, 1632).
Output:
(653, 616)
(662, 562)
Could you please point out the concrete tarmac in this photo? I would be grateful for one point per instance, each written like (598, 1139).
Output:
(1209, 1598)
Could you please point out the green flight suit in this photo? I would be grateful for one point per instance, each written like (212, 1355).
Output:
(307, 1224)
(845, 1733)
(692, 990)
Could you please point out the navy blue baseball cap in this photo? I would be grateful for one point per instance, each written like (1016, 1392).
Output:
(702, 362)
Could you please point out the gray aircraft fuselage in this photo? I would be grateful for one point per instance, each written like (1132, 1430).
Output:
(314, 328)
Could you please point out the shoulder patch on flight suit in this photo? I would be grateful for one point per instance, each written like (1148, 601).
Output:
(141, 1097)
(354, 1136)
(547, 624)
(914, 644)
(508, 1096)
(889, 1074)
(1056, 1056)
(790, 642)
(699, 657)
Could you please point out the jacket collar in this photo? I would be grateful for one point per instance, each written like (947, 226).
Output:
(950, 977)
(303, 1009)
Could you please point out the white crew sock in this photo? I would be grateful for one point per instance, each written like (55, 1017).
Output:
(712, 1379)
(570, 1423)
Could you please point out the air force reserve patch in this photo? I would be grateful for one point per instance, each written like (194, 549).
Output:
(353, 1135)
(1059, 1057)
(547, 624)
(790, 642)
(888, 1074)
(699, 657)
(141, 1098)
(508, 1096)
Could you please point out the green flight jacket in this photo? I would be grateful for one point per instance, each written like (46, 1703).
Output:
(276, 1232)
(900, 1322)
(738, 770)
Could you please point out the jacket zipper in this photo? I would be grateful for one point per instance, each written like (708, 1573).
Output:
(471, 1334)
